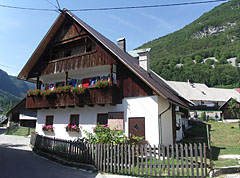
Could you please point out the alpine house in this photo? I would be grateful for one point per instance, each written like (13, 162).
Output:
(83, 78)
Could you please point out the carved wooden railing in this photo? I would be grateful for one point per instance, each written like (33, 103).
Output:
(91, 96)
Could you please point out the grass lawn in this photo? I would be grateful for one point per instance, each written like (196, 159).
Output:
(225, 139)
(20, 131)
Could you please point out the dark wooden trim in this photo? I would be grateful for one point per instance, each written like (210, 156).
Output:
(174, 130)
(69, 40)
(66, 78)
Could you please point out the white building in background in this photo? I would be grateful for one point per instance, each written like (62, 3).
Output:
(205, 99)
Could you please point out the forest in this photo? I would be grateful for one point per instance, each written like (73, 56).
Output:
(189, 52)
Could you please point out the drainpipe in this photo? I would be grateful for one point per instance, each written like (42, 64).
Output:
(160, 122)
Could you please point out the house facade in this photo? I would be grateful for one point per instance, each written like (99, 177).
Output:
(83, 79)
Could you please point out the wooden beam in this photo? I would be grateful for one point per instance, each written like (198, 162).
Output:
(81, 106)
(38, 86)
(66, 79)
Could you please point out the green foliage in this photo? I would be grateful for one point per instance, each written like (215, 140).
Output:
(7, 101)
(103, 84)
(12, 91)
(234, 107)
(64, 89)
(209, 62)
(103, 134)
(78, 90)
(183, 47)
(136, 139)
(35, 92)
(203, 116)
(198, 59)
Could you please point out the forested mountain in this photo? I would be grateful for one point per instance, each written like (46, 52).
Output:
(12, 90)
(203, 50)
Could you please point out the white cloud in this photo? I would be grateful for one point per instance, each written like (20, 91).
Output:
(161, 22)
(128, 24)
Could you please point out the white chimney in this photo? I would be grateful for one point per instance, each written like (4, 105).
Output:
(121, 43)
(144, 58)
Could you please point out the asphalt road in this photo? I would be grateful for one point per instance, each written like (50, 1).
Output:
(17, 161)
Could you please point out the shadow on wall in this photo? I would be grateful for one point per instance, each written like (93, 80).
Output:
(2, 130)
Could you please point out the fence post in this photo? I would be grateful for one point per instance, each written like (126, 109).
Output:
(28, 131)
(209, 146)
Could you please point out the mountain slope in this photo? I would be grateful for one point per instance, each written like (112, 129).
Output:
(12, 90)
(7, 85)
(216, 34)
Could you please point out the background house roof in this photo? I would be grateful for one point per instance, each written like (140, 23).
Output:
(135, 53)
(201, 92)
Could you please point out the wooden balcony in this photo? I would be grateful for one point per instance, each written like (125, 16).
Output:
(80, 61)
(91, 97)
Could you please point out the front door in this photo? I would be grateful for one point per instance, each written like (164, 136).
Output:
(137, 126)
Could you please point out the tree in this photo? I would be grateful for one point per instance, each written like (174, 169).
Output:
(235, 109)
(198, 59)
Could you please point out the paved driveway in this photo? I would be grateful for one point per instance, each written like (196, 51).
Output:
(17, 161)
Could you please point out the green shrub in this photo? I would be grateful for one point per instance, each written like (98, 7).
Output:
(103, 134)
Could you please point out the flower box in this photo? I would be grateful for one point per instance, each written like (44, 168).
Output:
(48, 128)
(72, 128)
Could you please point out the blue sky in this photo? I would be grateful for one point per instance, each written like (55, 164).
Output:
(21, 30)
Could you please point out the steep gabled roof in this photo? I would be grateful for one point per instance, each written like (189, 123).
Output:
(150, 78)
(227, 102)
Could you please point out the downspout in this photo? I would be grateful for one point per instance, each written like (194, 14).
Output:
(160, 123)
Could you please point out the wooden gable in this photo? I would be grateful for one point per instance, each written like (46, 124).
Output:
(71, 48)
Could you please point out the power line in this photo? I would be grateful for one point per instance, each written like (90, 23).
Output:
(114, 8)
(150, 6)
(8, 67)
(52, 4)
(26, 8)
(58, 4)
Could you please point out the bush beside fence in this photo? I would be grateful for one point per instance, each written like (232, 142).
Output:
(130, 159)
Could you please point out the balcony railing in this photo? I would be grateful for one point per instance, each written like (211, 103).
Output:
(90, 97)
(80, 61)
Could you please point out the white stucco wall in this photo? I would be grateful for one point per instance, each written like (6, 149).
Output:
(143, 107)
(166, 121)
(87, 119)
(179, 133)
(148, 107)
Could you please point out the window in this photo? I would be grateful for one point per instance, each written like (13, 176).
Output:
(74, 119)
(102, 119)
(67, 53)
(89, 45)
(49, 120)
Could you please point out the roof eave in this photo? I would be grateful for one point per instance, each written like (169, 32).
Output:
(41, 47)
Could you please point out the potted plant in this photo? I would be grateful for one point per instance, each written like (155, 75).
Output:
(35, 92)
(103, 84)
(48, 128)
(72, 128)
